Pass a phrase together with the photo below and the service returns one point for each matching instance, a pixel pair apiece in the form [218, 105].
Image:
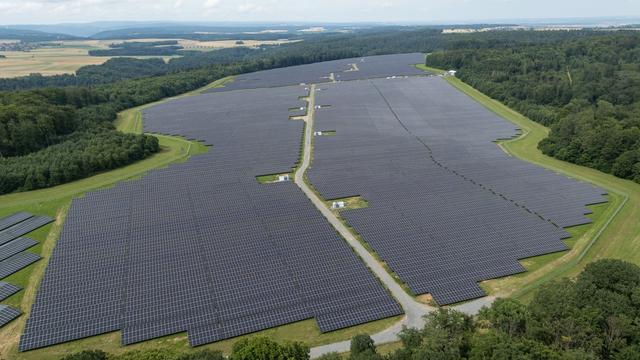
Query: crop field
[46, 61]
[222, 44]
[65, 57]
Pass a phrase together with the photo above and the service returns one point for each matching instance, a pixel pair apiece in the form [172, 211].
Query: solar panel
[16, 263]
[13, 219]
[15, 246]
[8, 313]
[23, 228]
[7, 290]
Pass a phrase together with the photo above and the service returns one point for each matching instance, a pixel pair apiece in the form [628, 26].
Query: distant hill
[138, 29]
[88, 29]
[32, 35]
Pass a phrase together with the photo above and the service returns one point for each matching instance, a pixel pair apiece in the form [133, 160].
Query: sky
[391, 11]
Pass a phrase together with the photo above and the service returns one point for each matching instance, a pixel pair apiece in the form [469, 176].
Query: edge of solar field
[575, 258]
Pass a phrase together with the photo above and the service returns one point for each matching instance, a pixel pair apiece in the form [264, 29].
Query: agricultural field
[65, 57]
[46, 61]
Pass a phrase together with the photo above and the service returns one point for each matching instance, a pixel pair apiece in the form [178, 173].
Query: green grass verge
[306, 331]
[271, 178]
[615, 232]
[351, 203]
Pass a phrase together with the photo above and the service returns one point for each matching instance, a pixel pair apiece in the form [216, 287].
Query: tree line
[596, 316]
[587, 90]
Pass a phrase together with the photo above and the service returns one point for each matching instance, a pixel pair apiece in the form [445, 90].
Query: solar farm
[203, 247]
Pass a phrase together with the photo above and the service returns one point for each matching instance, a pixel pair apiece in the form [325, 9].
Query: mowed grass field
[614, 233]
[55, 202]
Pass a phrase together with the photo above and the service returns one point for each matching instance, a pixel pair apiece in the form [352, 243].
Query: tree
[362, 343]
[263, 348]
[507, 315]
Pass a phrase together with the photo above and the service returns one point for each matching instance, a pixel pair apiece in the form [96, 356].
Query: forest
[587, 90]
[594, 317]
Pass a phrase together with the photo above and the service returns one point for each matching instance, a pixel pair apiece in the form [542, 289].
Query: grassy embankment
[55, 202]
[615, 232]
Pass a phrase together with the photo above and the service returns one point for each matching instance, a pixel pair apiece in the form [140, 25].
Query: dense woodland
[590, 318]
[79, 155]
[586, 89]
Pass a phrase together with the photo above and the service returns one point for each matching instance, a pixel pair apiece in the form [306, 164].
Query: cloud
[250, 8]
[211, 4]
[178, 4]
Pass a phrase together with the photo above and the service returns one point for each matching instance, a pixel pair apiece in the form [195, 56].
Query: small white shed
[338, 205]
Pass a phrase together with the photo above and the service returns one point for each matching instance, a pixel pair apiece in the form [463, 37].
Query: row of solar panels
[12, 255]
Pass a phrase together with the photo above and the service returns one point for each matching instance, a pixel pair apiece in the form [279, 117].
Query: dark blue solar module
[15, 246]
[7, 290]
[447, 208]
[342, 70]
[201, 246]
[16, 263]
[8, 313]
[13, 219]
[23, 227]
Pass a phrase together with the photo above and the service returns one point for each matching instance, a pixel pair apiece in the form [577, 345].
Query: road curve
[414, 310]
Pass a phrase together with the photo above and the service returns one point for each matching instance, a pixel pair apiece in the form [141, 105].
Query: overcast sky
[56, 11]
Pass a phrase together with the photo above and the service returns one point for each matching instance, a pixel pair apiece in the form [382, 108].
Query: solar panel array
[23, 227]
[16, 263]
[367, 67]
[8, 313]
[7, 290]
[15, 246]
[12, 257]
[13, 219]
[201, 246]
[447, 208]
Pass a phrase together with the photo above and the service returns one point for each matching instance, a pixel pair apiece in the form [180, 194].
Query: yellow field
[220, 44]
[68, 56]
[46, 61]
